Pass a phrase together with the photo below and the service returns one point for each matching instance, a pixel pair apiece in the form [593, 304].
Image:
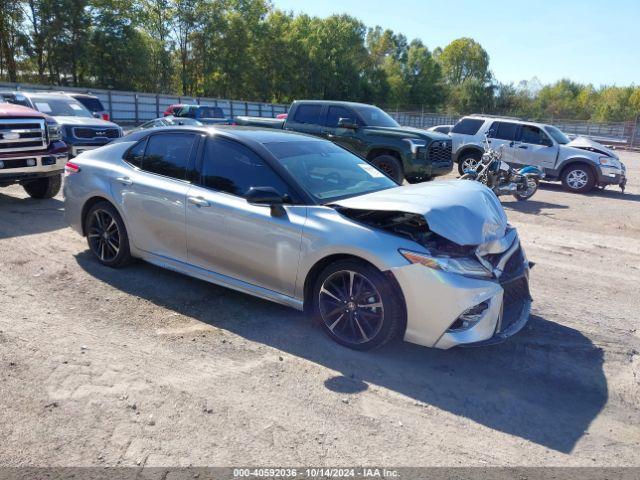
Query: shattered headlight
[460, 265]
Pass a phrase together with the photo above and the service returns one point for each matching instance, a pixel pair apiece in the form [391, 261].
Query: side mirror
[491, 133]
[268, 196]
[347, 123]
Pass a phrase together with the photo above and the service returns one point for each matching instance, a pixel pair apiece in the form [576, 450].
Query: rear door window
[504, 130]
[169, 154]
[467, 126]
[309, 114]
[136, 153]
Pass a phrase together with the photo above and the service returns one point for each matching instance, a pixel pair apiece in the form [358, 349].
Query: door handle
[523, 146]
[198, 201]
[511, 144]
[125, 180]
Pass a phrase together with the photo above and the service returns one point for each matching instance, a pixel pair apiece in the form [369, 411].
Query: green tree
[462, 59]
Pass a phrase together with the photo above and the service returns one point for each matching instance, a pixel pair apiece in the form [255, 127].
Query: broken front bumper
[436, 301]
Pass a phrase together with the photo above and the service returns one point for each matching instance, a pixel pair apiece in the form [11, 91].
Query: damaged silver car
[303, 222]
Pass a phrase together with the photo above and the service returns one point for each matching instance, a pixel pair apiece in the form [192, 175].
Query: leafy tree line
[247, 49]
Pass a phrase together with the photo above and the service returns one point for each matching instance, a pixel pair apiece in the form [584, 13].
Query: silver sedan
[303, 222]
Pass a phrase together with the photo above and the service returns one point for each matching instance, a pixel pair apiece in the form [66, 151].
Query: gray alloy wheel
[357, 305]
[104, 236]
[107, 236]
[578, 178]
[469, 161]
[351, 307]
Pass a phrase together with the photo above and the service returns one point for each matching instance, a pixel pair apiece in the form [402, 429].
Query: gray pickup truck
[401, 152]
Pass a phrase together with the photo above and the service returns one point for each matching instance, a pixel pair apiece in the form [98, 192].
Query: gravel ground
[147, 367]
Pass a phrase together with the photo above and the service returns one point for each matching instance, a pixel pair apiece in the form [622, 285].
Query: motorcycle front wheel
[532, 187]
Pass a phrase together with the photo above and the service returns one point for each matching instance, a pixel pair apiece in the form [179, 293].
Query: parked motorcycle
[501, 178]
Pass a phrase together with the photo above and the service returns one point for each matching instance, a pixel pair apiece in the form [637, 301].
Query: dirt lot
[146, 367]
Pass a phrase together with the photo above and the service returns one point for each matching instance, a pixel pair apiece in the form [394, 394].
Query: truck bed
[277, 123]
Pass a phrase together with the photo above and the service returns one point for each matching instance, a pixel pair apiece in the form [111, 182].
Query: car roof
[498, 118]
[336, 102]
[243, 134]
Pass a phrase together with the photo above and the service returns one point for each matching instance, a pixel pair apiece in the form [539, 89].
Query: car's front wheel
[357, 305]
[469, 161]
[391, 166]
[47, 187]
[578, 178]
[107, 235]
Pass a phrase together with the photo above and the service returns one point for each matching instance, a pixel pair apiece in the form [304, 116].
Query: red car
[173, 109]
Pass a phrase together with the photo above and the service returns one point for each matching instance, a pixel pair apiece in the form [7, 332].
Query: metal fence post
[422, 118]
[157, 105]
[231, 108]
[246, 108]
[273, 111]
[135, 97]
[260, 110]
[110, 105]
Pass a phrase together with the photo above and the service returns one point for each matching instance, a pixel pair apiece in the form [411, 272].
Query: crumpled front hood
[465, 212]
[84, 121]
[584, 143]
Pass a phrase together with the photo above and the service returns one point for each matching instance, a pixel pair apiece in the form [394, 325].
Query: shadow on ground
[612, 192]
[532, 206]
[545, 385]
[45, 216]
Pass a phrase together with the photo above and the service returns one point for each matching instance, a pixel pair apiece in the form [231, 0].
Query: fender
[531, 171]
[469, 147]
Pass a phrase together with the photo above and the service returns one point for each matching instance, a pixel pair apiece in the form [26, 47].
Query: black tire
[391, 166]
[47, 187]
[522, 197]
[108, 250]
[578, 178]
[358, 328]
[475, 156]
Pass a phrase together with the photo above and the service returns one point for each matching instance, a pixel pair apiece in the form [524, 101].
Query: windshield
[328, 172]
[374, 117]
[557, 135]
[60, 107]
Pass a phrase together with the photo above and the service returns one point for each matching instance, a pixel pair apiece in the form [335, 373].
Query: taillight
[70, 168]
[105, 116]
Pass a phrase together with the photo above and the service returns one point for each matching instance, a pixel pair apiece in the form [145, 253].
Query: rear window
[168, 154]
[504, 130]
[308, 114]
[91, 103]
[211, 112]
[467, 126]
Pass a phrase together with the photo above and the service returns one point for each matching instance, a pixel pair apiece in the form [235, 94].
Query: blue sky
[588, 41]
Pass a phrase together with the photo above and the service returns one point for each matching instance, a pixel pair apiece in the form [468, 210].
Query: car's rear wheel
[469, 161]
[389, 165]
[578, 178]
[107, 236]
[47, 187]
[357, 305]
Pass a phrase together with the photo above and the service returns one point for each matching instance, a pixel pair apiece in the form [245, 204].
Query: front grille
[440, 151]
[516, 294]
[92, 133]
[22, 135]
